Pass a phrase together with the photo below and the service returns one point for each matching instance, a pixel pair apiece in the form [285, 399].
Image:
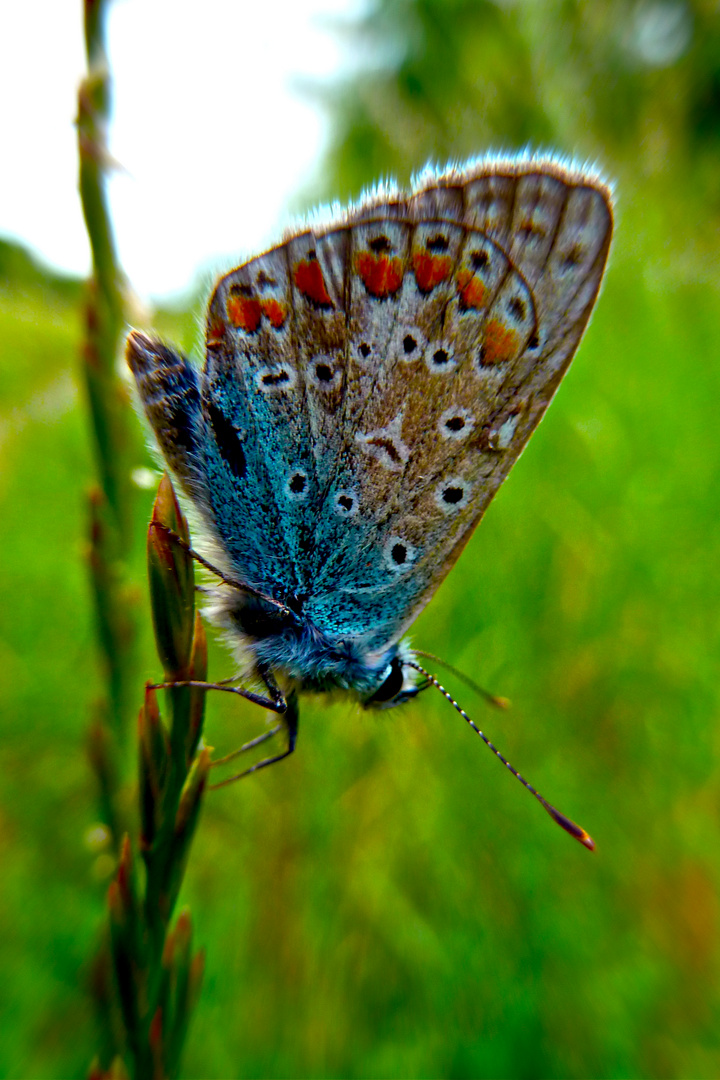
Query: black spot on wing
[228, 441]
[398, 553]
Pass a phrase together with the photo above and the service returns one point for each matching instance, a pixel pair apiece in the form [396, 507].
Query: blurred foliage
[632, 84]
[389, 902]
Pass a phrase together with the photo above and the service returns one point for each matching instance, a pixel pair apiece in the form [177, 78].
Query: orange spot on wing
[430, 269]
[216, 334]
[244, 313]
[275, 311]
[472, 291]
[308, 278]
[380, 274]
[499, 344]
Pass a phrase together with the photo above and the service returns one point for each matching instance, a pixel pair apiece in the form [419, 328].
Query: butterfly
[368, 384]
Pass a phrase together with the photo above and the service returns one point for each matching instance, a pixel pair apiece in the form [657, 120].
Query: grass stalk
[147, 979]
[113, 435]
[155, 974]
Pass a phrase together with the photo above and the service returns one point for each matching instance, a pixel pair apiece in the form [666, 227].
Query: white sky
[210, 127]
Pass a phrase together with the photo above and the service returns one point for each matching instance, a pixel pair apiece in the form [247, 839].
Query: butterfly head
[399, 682]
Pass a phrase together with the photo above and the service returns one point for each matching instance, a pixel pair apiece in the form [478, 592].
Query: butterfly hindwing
[318, 266]
[498, 334]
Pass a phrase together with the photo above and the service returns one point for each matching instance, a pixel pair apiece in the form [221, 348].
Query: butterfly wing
[500, 272]
[368, 386]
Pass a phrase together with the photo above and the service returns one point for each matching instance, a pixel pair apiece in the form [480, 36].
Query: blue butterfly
[368, 384]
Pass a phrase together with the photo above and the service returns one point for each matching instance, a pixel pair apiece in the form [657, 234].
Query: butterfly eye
[391, 686]
[296, 486]
[397, 686]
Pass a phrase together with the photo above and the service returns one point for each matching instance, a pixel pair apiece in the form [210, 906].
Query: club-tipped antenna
[564, 822]
[491, 699]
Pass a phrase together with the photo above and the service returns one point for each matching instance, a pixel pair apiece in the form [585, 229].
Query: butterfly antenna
[491, 699]
[241, 586]
[564, 822]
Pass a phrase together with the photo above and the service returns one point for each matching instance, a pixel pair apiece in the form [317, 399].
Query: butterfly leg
[289, 721]
[274, 703]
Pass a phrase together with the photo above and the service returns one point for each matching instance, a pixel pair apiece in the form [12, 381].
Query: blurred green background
[389, 902]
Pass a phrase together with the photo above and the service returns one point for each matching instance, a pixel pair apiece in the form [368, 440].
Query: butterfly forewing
[255, 405]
